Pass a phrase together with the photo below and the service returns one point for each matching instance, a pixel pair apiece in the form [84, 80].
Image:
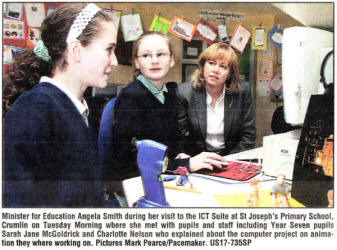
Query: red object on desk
[240, 171]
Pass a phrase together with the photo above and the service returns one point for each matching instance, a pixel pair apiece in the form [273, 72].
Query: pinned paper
[182, 28]
[240, 38]
[275, 36]
[160, 24]
[35, 14]
[206, 31]
[266, 67]
[222, 32]
[131, 26]
[276, 83]
[259, 39]
[14, 10]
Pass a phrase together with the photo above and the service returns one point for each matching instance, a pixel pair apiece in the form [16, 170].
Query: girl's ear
[137, 63]
[172, 61]
[74, 51]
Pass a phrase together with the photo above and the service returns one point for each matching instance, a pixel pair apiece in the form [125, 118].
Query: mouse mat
[240, 171]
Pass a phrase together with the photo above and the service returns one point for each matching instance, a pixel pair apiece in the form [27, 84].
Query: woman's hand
[182, 156]
[205, 160]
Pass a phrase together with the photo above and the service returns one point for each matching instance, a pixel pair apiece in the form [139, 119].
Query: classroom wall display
[182, 28]
[206, 31]
[192, 50]
[208, 14]
[259, 40]
[35, 13]
[266, 67]
[275, 36]
[276, 82]
[14, 32]
[313, 176]
[9, 53]
[160, 24]
[132, 26]
[188, 70]
[14, 10]
[240, 38]
[222, 32]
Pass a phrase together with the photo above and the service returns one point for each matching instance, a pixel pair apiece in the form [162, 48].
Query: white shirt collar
[82, 107]
[220, 99]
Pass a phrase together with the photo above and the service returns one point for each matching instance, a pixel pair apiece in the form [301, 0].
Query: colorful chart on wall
[160, 24]
[182, 28]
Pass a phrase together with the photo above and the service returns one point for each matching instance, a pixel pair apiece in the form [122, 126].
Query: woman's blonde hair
[219, 51]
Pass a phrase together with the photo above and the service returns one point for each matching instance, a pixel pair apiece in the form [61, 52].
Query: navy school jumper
[50, 155]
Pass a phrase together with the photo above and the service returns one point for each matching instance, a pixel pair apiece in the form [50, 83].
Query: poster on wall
[35, 13]
[222, 32]
[14, 10]
[275, 36]
[182, 28]
[131, 26]
[276, 82]
[240, 38]
[160, 24]
[266, 67]
[9, 53]
[259, 38]
[14, 32]
[206, 31]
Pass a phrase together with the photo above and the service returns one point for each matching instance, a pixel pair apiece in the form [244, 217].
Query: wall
[190, 12]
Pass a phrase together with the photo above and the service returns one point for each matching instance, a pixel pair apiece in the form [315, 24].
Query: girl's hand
[205, 160]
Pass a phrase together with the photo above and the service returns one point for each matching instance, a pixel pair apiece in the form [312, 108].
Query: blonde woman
[215, 110]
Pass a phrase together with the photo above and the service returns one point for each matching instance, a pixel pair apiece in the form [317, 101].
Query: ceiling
[316, 15]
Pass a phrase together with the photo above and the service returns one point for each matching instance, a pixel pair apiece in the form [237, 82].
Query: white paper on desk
[35, 14]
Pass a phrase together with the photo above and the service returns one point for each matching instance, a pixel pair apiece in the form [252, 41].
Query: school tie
[85, 116]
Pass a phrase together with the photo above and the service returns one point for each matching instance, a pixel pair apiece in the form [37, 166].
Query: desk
[213, 191]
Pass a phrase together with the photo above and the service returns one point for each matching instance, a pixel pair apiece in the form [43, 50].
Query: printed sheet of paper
[14, 10]
[13, 29]
[259, 39]
[182, 28]
[266, 67]
[276, 83]
[35, 14]
[240, 38]
[132, 27]
[222, 32]
[206, 31]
